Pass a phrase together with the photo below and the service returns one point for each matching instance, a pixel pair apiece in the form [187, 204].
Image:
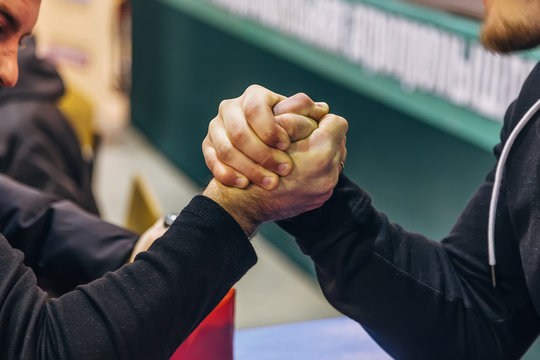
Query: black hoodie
[423, 299]
[37, 144]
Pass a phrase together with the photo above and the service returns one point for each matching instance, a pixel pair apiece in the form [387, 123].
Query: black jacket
[64, 245]
[422, 299]
[144, 310]
[37, 144]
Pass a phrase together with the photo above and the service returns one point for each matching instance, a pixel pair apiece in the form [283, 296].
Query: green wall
[421, 177]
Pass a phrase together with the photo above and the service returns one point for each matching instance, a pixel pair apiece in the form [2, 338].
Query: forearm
[408, 291]
[142, 311]
[238, 203]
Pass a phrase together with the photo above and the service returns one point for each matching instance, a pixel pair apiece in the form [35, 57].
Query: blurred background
[423, 100]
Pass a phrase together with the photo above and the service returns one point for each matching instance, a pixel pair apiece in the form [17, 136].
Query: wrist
[236, 202]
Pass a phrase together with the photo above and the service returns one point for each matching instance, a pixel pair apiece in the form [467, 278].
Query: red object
[213, 338]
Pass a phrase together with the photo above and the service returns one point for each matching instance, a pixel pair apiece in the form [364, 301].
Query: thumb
[298, 127]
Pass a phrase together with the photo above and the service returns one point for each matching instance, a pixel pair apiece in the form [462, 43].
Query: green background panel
[425, 107]
[420, 176]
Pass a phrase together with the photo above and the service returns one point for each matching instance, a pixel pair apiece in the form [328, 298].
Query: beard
[507, 29]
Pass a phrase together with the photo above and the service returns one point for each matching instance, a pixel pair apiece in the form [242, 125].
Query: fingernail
[283, 169]
[267, 181]
[241, 182]
[282, 146]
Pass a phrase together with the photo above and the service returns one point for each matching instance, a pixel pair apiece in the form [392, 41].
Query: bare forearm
[237, 202]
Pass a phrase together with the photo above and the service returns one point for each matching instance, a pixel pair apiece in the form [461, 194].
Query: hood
[38, 78]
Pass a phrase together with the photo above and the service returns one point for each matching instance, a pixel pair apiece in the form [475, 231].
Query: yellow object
[144, 209]
[79, 110]
[82, 38]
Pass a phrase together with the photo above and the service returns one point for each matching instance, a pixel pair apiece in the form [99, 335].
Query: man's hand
[147, 238]
[316, 167]
[247, 139]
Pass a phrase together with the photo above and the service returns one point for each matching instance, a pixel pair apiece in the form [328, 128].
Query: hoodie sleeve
[62, 243]
[423, 299]
[143, 310]
[418, 298]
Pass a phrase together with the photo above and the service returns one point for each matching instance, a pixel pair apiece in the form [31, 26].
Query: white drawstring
[497, 185]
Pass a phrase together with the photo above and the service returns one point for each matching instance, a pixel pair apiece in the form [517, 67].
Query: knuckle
[343, 123]
[340, 122]
[254, 173]
[332, 117]
[307, 127]
[223, 105]
[289, 126]
[251, 109]
[212, 125]
[237, 135]
[224, 152]
[304, 98]
[266, 160]
[324, 133]
[210, 162]
[206, 142]
[267, 136]
[208, 158]
[285, 122]
[253, 87]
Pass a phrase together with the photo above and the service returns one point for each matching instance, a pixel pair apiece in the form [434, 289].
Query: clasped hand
[273, 157]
